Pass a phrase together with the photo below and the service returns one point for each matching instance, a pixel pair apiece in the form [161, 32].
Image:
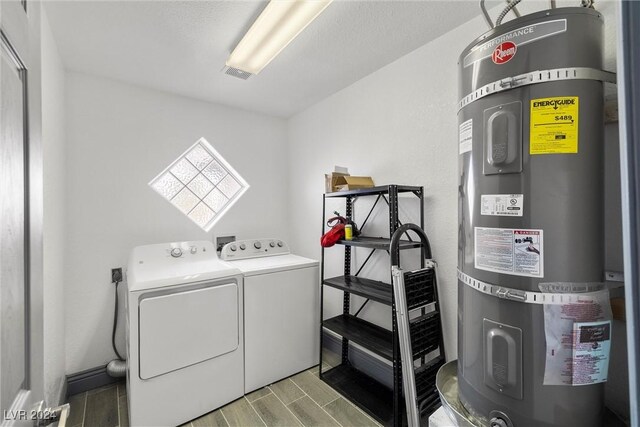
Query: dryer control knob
[257, 245]
[176, 252]
[272, 244]
[233, 248]
[280, 244]
[243, 246]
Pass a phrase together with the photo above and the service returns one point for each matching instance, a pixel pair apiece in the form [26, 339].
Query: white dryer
[184, 333]
[281, 310]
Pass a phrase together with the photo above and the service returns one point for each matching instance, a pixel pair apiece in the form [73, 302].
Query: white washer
[281, 310]
[184, 333]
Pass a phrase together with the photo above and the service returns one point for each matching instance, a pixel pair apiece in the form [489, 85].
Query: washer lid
[272, 264]
[167, 264]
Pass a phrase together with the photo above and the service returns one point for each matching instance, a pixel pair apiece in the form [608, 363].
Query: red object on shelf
[336, 233]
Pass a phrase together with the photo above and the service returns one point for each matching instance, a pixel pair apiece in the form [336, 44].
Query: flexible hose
[506, 10]
[115, 325]
[117, 368]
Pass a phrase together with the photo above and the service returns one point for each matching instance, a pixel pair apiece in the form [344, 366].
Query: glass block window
[201, 184]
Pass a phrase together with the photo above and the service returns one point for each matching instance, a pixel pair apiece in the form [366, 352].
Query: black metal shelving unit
[384, 404]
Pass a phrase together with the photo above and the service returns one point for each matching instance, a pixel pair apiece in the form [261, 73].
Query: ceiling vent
[235, 72]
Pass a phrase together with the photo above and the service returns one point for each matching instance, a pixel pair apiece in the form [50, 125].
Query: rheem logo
[504, 52]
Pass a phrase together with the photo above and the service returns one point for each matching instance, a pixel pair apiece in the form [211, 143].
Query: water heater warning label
[509, 251]
[554, 125]
[465, 133]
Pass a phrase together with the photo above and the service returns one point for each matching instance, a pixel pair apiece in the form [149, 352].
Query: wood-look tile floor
[301, 400]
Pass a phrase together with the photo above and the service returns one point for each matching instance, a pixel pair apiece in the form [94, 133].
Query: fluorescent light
[278, 24]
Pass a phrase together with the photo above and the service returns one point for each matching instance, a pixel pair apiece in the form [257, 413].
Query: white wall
[120, 137]
[398, 125]
[54, 142]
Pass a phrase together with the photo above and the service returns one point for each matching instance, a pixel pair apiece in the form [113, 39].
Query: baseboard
[361, 359]
[88, 380]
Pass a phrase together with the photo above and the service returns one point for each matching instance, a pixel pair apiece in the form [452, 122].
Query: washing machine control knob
[176, 252]
[233, 248]
[243, 246]
[257, 245]
[280, 244]
[272, 244]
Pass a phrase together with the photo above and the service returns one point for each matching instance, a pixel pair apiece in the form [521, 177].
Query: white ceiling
[181, 46]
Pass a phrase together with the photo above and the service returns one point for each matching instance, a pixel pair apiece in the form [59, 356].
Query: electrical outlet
[223, 240]
[116, 275]
[614, 276]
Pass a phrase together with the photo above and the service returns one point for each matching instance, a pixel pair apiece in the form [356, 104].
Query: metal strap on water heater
[520, 295]
[535, 77]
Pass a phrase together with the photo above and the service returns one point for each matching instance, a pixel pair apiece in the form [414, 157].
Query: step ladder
[419, 329]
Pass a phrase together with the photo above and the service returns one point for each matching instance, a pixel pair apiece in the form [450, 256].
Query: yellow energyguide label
[554, 125]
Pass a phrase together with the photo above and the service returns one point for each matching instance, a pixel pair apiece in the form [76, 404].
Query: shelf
[378, 243]
[371, 396]
[373, 191]
[384, 403]
[372, 337]
[374, 290]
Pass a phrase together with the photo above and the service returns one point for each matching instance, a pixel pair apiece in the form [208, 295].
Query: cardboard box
[331, 180]
[618, 309]
[349, 182]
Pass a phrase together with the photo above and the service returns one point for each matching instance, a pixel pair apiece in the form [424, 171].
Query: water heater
[534, 324]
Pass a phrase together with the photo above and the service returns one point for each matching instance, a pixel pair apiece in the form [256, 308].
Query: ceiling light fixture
[278, 24]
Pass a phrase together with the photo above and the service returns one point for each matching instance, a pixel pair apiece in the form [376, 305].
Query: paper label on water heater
[501, 204]
[509, 251]
[578, 336]
[466, 136]
[591, 348]
[554, 125]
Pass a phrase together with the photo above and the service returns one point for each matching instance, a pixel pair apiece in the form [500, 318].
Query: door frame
[22, 399]
[20, 35]
[629, 106]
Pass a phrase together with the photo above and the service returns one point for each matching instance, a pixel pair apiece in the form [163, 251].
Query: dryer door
[187, 327]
